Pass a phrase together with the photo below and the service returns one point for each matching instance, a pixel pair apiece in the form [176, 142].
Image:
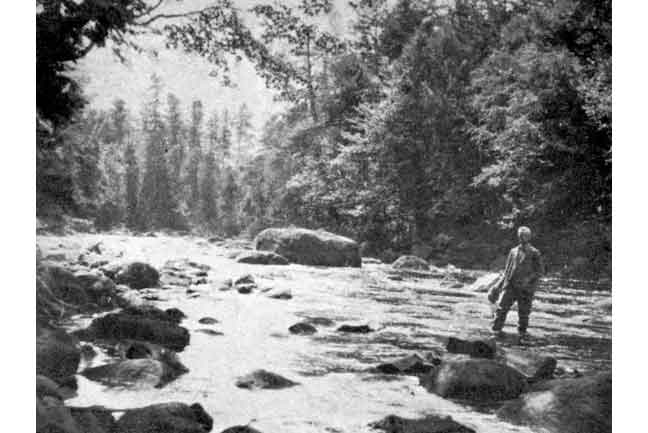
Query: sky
[188, 76]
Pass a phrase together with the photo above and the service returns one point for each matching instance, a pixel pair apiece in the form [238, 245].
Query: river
[336, 393]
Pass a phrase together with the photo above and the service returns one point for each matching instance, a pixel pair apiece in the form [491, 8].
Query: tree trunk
[311, 88]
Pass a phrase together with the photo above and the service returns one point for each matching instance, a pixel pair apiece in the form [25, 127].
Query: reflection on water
[336, 393]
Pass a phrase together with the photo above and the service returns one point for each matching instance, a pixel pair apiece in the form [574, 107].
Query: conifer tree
[132, 187]
[156, 198]
[176, 144]
[195, 154]
[229, 199]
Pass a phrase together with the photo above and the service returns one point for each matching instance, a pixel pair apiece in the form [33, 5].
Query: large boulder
[261, 258]
[167, 418]
[57, 355]
[122, 325]
[263, 379]
[310, 247]
[479, 380]
[411, 262]
[52, 416]
[138, 275]
[565, 405]
[429, 424]
[136, 372]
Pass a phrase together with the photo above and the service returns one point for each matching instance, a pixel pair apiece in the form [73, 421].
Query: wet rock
[171, 315]
[201, 273]
[478, 380]
[166, 418]
[215, 239]
[137, 372]
[302, 328]
[279, 294]
[245, 288]
[138, 275]
[429, 424]
[544, 369]
[207, 321]
[261, 258]
[565, 406]
[262, 379]
[244, 279]
[122, 325]
[61, 284]
[309, 247]
[138, 350]
[224, 285]
[412, 364]
[52, 416]
[477, 349]
[240, 429]
[411, 262]
[209, 332]
[371, 261]
[57, 355]
[87, 351]
[320, 321]
[355, 329]
[46, 387]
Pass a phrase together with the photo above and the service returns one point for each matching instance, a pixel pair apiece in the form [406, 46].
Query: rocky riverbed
[237, 328]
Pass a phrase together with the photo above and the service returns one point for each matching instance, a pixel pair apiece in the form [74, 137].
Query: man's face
[524, 237]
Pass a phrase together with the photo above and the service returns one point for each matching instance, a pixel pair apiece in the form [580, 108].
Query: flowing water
[336, 393]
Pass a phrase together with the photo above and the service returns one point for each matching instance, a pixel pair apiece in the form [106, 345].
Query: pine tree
[195, 154]
[176, 145]
[208, 190]
[156, 198]
[243, 125]
[132, 187]
[226, 135]
[229, 201]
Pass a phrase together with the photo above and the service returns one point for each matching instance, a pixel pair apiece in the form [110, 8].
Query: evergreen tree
[195, 155]
[132, 187]
[176, 145]
[243, 125]
[225, 145]
[229, 200]
[157, 201]
[208, 190]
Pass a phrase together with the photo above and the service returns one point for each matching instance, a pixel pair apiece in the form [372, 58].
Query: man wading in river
[521, 274]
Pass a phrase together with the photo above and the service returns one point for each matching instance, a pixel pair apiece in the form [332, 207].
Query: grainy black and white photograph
[323, 216]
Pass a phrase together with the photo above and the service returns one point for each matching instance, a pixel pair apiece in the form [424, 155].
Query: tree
[175, 143]
[208, 190]
[243, 128]
[226, 135]
[132, 187]
[305, 42]
[195, 154]
[156, 200]
[229, 200]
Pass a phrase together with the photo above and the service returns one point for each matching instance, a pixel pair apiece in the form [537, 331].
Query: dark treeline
[427, 127]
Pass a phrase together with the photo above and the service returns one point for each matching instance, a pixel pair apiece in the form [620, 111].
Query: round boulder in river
[167, 418]
[411, 262]
[310, 247]
[478, 380]
[262, 379]
[138, 275]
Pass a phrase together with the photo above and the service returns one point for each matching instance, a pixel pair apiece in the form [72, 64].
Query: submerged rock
[310, 247]
[429, 424]
[245, 289]
[57, 355]
[240, 429]
[209, 332]
[207, 321]
[565, 406]
[166, 418]
[261, 258]
[279, 294]
[244, 279]
[136, 372]
[355, 329]
[138, 275]
[302, 328]
[411, 262]
[412, 364]
[320, 321]
[262, 379]
[477, 349]
[478, 380]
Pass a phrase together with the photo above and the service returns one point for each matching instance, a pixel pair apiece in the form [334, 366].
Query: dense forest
[432, 127]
